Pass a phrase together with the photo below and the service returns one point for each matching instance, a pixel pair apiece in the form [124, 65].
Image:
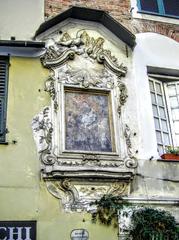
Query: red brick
[119, 10]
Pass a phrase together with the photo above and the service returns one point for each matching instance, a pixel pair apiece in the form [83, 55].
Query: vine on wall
[107, 210]
[146, 223]
[153, 224]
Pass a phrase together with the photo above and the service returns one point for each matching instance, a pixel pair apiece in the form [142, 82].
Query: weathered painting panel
[87, 117]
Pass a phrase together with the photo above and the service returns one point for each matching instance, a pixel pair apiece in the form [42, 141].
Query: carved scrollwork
[47, 158]
[50, 88]
[64, 190]
[127, 135]
[97, 69]
[122, 96]
[117, 188]
[66, 48]
[132, 161]
[43, 129]
[86, 79]
[54, 57]
[76, 195]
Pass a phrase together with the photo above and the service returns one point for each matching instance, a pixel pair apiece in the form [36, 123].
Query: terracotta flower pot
[170, 156]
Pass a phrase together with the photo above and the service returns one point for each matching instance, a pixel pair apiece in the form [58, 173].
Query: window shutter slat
[3, 96]
[1, 116]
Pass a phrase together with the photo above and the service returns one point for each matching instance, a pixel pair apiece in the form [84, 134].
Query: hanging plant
[153, 224]
[107, 210]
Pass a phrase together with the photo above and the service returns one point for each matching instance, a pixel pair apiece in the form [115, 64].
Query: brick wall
[119, 10]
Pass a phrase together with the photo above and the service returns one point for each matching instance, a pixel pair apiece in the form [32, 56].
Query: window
[168, 8]
[4, 64]
[165, 105]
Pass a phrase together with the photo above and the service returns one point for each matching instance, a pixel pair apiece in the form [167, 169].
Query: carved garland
[42, 123]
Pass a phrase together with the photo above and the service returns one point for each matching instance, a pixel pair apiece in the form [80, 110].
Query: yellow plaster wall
[23, 195]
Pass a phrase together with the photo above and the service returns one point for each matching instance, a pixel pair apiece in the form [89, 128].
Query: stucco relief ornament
[50, 88]
[65, 191]
[78, 178]
[125, 222]
[85, 78]
[132, 161]
[43, 129]
[78, 196]
[67, 47]
[91, 162]
[122, 96]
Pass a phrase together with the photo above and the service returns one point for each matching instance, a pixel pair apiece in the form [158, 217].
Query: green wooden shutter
[3, 96]
[1, 116]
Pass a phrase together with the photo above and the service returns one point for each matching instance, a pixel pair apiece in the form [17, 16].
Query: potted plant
[172, 153]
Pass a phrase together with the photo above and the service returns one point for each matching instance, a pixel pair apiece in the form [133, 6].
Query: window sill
[159, 15]
[168, 160]
[169, 157]
[155, 17]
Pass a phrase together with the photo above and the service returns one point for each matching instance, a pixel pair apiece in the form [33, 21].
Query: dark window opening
[168, 8]
[171, 7]
[150, 6]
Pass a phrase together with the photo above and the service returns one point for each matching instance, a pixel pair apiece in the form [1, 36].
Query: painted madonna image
[88, 123]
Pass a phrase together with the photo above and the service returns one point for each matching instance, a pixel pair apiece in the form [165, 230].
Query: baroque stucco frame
[56, 164]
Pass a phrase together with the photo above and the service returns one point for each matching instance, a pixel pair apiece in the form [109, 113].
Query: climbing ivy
[153, 224]
[107, 210]
[146, 223]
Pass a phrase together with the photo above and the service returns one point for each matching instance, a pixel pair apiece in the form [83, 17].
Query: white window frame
[164, 80]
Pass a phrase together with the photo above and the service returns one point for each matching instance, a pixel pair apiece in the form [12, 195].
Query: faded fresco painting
[87, 121]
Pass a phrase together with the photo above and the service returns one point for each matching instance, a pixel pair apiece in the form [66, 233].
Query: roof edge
[20, 43]
[94, 15]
